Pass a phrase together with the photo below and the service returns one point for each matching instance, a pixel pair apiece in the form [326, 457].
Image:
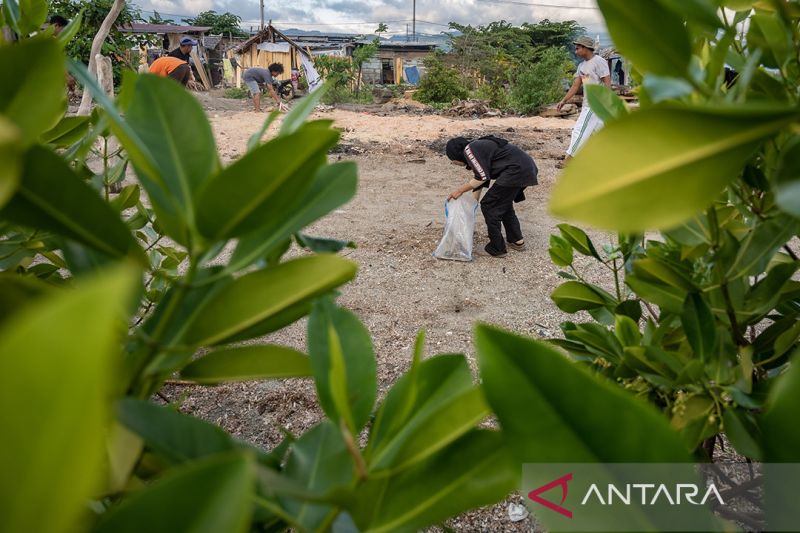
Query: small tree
[441, 84]
[363, 53]
[540, 83]
[226, 23]
[114, 45]
[547, 34]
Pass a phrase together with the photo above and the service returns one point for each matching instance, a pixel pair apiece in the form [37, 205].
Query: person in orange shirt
[172, 67]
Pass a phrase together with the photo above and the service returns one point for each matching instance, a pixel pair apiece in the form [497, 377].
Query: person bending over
[255, 77]
[172, 67]
[491, 158]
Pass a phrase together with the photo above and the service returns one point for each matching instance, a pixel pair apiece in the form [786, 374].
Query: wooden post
[398, 70]
[97, 43]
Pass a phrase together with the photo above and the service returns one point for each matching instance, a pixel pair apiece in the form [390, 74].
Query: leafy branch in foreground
[703, 321]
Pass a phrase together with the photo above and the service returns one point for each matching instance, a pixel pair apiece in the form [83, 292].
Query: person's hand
[455, 195]
[282, 107]
[560, 105]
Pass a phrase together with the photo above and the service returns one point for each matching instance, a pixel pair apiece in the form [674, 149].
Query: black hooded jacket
[492, 158]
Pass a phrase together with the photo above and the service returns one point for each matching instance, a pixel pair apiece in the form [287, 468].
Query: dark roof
[140, 27]
[212, 41]
[257, 38]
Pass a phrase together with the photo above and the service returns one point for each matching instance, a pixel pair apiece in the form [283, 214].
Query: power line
[538, 4]
[433, 23]
[348, 23]
[166, 14]
[333, 23]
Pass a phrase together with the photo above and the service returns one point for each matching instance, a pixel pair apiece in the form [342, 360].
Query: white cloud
[342, 15]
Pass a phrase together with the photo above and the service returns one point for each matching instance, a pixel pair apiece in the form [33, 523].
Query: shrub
[540, 83]
[343, 95]
[237, 93]
[704, 317]
[495, 94]
[337, 71]
[441, 84]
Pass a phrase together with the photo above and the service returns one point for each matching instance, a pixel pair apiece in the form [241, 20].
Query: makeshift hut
[266, 47]
[397, 62]
[168, 37]
[620, 73]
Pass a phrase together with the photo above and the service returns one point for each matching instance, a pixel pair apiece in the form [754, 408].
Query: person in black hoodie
[493, 158]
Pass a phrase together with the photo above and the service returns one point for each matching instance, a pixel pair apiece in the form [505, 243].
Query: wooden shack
[270, 45]
[388, 65]
[266, 47]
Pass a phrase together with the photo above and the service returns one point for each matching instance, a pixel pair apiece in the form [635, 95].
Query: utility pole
[414, 22]
[262, 15]
[407, 38]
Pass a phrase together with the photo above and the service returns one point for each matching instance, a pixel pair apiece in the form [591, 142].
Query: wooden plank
[398, 70]
[201, 70]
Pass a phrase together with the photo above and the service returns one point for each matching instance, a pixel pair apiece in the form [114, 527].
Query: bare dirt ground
[396, 220]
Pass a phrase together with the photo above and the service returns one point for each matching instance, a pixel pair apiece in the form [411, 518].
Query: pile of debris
[407, 106]
[472, 108]
[565, 111]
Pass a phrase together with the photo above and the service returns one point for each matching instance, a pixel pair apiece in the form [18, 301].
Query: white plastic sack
[459, 225]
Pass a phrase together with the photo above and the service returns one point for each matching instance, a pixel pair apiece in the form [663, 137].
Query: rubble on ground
[472, 108]
[565, 111]
[407, 105]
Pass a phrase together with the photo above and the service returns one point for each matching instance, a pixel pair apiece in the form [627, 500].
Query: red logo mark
[562, 482]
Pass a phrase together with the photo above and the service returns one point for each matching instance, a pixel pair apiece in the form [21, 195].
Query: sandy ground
[397, 220]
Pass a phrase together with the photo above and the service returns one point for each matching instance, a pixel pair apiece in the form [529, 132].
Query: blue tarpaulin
[412, 75]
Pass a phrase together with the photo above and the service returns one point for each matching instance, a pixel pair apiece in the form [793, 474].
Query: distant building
[394, 63]
[273, 46]
[397, 62]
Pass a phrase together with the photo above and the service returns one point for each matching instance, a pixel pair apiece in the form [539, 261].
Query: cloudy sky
[362, 16]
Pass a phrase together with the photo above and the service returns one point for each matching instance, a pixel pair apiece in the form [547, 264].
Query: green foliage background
[441, 84]
[93, 13]
[519, 68]
[540, 83]
[225, 23]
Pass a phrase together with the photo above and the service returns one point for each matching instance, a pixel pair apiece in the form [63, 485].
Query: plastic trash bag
[459, 225]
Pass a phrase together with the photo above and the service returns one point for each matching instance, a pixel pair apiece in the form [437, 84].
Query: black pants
[182, 74]
[497, 207]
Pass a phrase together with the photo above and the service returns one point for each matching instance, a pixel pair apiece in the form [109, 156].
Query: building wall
[373, 70]
[263, 59]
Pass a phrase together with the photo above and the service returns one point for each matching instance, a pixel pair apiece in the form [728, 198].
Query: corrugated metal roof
[141, 27]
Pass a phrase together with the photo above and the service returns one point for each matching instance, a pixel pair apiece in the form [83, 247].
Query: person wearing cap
[172, 67]
[512, 169]
[592, 70]
[184, 51]
[255, 77]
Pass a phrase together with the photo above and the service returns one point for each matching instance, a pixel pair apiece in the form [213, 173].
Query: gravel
[396, 220]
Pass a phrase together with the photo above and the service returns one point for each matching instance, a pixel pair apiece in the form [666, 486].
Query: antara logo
[560, 482]
[637, 493]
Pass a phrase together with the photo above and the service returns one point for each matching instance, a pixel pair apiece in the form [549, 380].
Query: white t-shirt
[593, 70]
